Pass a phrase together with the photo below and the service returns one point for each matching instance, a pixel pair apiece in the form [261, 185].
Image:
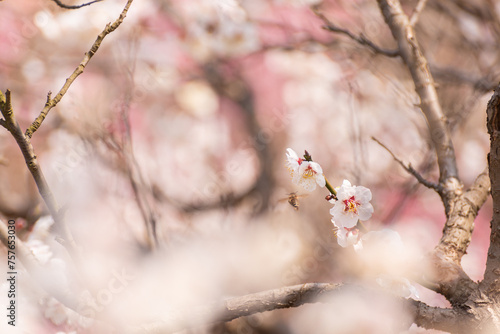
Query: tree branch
[62, 5]
[458, 229]
[410, 169]
[461, 209]
[51, 103]
[417, 64]
[483, 84]
[361, 39]
[24, 143]
[492, 272]
[295, 296]
[416, 12]
[233, 308]
[444, 319]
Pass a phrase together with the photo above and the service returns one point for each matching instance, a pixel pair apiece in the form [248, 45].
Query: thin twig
[51, 103]
[31, 160]
[361, 39]
[62, 5]
[483, 84]
[410, 169]
[416, 12]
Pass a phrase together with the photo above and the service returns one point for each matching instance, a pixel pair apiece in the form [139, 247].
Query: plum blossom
[304, 173]
[347, 236]
[292, 162]
[353, 203]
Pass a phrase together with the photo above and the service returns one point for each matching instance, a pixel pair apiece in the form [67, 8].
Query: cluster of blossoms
[351, 204]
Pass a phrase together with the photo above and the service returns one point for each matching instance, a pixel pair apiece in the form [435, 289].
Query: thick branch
[460, 224]
[51, 103]
[295, 296]
[492, 273]
[414, 59]
[448, 320]
[233, 308]
[460, 208]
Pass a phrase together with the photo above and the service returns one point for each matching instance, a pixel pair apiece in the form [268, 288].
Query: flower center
[351, 205]
[308, 173]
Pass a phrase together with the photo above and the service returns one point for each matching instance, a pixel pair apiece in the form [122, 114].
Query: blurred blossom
[304, 173]
[40, 250]
[305, 66]
[299, 2]
[383, 253]
[398, 285]
[55, 312]
[222, 37]
[64, 23]
[202, 270]
[41, 230]
[346, 236]
[60, 315]
[231, 9]
[44, 20]
[353, 203]
[471, 28]
[33, 69]
[351, 312]
[198, 98]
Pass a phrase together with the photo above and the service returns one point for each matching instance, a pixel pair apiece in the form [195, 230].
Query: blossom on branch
[353, 203]
[304, 173]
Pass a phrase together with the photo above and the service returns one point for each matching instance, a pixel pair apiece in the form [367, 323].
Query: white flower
[353, 203]
[292, 162]
[347, 236]
[304, 173]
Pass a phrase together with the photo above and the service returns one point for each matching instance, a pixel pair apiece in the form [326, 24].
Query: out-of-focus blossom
[222, 37]
[398, 285]
[55, 311]
[387, 241]
[353, 203]
[347, 236]
[299, 3]
[304, 173]
[197, 98]
[385, 257]
[40, 250]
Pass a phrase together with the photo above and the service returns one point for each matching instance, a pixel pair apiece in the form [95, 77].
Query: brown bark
[491, 283]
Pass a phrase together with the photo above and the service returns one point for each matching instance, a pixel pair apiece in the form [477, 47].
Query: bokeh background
[178, 129]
